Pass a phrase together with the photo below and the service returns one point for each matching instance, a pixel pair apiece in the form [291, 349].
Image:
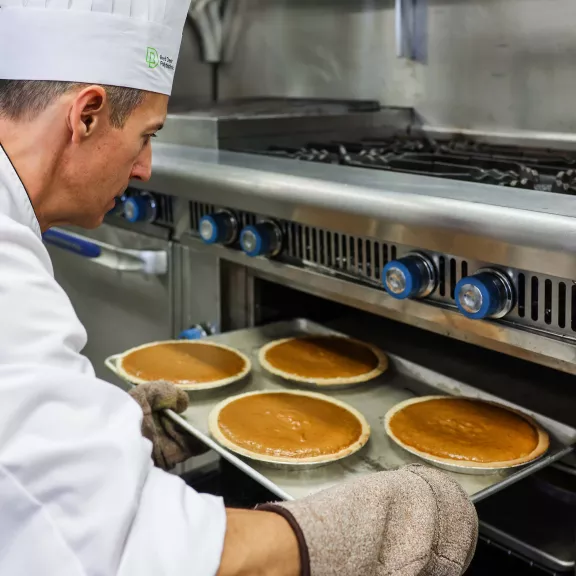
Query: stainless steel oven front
[121, 284]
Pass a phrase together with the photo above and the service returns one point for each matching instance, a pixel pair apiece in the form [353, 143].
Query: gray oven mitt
[171, 445]
[413, 521]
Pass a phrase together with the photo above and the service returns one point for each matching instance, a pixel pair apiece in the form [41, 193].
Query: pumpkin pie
[323, 360]
[465, 432]
[192, 365]
[288, 427]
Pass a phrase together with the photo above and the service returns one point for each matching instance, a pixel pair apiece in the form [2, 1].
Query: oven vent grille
[546, 301]
[361, 257]
[165, 216]
[197, 211]
[543, 302]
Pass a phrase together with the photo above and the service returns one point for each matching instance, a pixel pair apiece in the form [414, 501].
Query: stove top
[510, 166]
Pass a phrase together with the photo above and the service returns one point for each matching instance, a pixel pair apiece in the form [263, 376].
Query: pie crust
[369, 363]
[541, 441]
[217, 365]
[281, 425]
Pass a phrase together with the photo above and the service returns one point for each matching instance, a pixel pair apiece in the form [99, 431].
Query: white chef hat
[130, 43]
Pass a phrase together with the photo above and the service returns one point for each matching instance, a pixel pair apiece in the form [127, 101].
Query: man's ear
[88, 113]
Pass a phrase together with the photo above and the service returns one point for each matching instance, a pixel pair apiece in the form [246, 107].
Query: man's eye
[147, 138]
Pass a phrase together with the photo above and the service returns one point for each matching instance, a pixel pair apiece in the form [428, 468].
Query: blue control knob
[487, 294]
[262, 239]
[412, 276]
[219, 228]
[192, 334]
[141, 208]
[197, 332]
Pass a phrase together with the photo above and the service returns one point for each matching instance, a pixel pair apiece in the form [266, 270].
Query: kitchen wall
[492, 64]
[193, 78]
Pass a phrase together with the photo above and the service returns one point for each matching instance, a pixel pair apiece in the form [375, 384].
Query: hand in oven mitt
[412, 521]
[171, 445]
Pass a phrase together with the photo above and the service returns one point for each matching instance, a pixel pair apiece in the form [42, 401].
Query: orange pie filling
[289, 425]
[465, 430]
[322, 357]
[183, 362]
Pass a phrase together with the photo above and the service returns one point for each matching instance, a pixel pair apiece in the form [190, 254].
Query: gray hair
[25, 99]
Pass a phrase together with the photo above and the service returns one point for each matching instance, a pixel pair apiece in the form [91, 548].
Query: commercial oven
[454, 254]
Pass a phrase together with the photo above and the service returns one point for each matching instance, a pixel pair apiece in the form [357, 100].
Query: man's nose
[142, 169]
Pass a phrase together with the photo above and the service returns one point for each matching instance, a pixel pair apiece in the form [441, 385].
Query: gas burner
[565, 182]
[458, 159]
[307, 154]
[524, 183]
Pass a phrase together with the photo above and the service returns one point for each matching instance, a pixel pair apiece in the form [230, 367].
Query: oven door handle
[152, 262]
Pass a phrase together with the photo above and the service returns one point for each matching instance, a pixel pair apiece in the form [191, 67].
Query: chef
[84, 86]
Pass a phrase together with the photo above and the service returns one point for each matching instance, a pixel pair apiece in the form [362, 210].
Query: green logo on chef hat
[152, 58]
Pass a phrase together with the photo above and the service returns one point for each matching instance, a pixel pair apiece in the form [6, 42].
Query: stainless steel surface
[461, 226]
[493, 65]
[429, 274]
[470, 298]
[239, 301]
[559, 353]
[206, 16]
[507, 292]
[404, 380]
[197, 290]
[533, 553]
[193, 78]
[471, 220]
[260, 122]
[544, 303]
[119, 309]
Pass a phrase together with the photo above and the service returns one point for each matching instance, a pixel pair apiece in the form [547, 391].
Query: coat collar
[14, 200]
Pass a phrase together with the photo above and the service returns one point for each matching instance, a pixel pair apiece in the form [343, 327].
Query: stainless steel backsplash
[492, 64]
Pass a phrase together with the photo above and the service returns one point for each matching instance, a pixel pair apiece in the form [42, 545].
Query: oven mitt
[171, 445]
[412, 521]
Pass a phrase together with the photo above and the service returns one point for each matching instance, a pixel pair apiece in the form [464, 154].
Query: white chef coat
[79, 495]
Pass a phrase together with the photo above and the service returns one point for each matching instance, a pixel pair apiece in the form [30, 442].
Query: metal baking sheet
[403, 380]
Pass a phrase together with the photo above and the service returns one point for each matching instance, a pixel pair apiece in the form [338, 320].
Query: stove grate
[509, 166]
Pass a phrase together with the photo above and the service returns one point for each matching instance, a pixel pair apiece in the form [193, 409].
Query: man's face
[98, 169]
